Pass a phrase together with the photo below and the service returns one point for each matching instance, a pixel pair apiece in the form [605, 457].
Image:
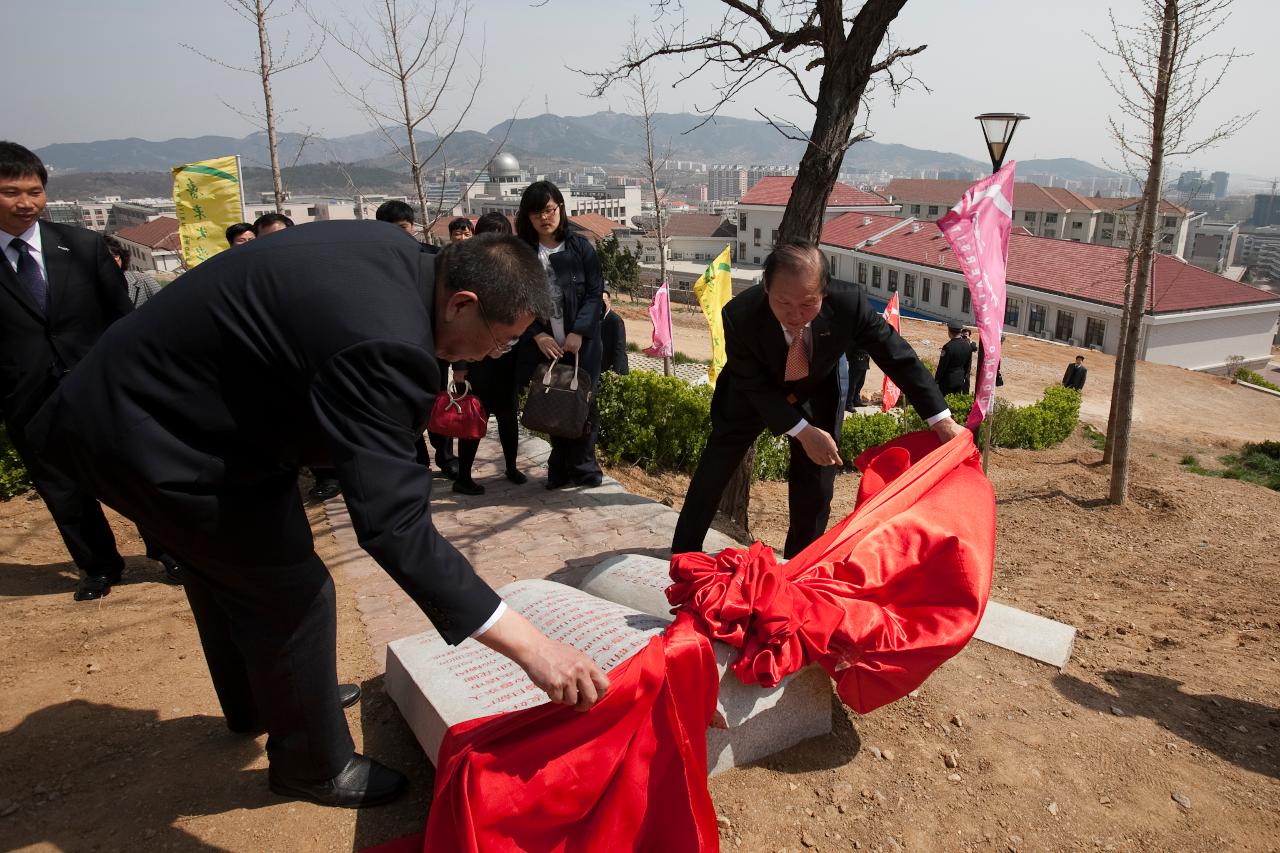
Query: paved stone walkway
[510, 533]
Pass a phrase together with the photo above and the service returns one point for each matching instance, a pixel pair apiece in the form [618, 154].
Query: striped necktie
[797, 359]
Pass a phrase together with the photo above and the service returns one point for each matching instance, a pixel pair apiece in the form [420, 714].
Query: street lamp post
[997, 129]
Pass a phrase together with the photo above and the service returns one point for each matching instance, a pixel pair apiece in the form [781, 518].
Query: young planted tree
[1162, 80]
[269, 66]
[792, 41]
[416, 52]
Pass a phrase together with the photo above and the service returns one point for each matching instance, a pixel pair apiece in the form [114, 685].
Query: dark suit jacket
[577, 270]
[757, 353]
[1075, 376]
[953, 366]
[315, 347]
[87, 293]
[613, 340]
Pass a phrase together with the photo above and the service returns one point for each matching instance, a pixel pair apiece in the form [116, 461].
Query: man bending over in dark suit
[317, 346]
[59, 290]
[784, 339]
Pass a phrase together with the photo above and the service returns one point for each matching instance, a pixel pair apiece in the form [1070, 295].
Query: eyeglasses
[549, 211]
[498, 347]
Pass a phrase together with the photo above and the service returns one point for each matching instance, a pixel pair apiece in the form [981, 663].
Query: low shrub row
[1255, 378]
[662, 423]
[13, 474]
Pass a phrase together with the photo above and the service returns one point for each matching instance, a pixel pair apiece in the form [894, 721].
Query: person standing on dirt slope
[952, 374]
[193, 416]
[1075, 375]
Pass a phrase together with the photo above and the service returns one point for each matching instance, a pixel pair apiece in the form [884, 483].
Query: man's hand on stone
[564, 673]
[819, 445]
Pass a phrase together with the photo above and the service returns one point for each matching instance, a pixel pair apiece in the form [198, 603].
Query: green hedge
[1253, 378]
[662, 422]
[13, 474]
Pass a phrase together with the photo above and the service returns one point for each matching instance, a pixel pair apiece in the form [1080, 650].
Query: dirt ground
[1162, 734]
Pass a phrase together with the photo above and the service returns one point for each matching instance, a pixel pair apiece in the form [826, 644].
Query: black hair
[460, 223]
[493, 223]
[395, 211]
[535, 198]
[796, 256]
[502, 271]
[119, 250]
[19, 162]
[271, 219]
[234, 231]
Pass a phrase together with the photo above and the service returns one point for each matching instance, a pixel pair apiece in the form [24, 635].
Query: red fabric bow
[880, 601]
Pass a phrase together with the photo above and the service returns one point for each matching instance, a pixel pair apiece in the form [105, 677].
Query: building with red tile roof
[760, 212]
[153, 245]
[1060, 289]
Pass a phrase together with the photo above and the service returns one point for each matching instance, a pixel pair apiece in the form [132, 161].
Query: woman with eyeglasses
[576, 284]
[493, 380]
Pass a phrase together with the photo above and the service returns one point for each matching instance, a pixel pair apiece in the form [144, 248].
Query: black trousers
[735, 426]
[76, 513]
[494, 382]
[269, 635]
[573, 460]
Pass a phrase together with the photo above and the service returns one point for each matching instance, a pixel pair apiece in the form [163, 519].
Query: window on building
[909, 285]
[1108, 219]
[742, 250]
[1065, 327]
[1171, 222]
[756, 259]
[946, 295]
[862, 273]
[1094, 331]
[1012, 309]
[893, 281]
[1106, 233]
[1035, 319]
[1077, 225]
[742, 222]
[926, 284]
[915, 210]
[773, 236]
[966, 302]
[1122, 235]
[933, 210]
[756, 237]
[832, 267]
[1050, 218]
[311, 211]
[1166, 238]
[875, 277]
[1029, 216]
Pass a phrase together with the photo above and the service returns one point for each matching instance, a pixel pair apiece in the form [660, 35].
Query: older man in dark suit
[317, 346]
[784, 339]
[60, 289]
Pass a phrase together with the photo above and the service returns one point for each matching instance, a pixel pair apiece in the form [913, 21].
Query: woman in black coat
[576, 284]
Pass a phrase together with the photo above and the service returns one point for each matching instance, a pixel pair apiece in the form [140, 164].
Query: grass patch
[1257, 463]
[1097, 439]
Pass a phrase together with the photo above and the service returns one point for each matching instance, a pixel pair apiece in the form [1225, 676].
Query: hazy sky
[97, 70]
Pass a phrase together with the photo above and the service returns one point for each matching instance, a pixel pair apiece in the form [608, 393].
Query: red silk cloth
[880, 601]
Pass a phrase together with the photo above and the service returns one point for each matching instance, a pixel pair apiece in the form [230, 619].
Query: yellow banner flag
[208, 200]
[714, 289]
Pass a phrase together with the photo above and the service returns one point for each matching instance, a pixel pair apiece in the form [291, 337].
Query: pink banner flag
[978, 230]
[660, 316]
[890, 393]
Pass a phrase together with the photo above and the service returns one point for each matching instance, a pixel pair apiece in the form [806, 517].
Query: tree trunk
[264, 68]
[1137, 305]
[1108, 449]
[415, 167]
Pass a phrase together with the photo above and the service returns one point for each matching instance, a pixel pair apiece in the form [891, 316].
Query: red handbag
[458, 415]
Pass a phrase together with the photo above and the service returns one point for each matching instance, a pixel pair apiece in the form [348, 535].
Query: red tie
[797, 359]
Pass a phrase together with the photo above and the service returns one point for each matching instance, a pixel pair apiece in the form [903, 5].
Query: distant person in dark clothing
[613, 339]
[952, 374]
[460, 229]
[239, 234]
[397, 213]
[494, 381]
[1076, 374]
[966, 333]
[981, 356]
[859, 363]
[270, 223]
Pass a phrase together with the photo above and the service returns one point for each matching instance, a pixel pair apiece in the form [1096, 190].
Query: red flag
[889, 392]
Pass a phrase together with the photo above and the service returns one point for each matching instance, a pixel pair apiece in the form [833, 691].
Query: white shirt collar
[31, 237]
[787, 334]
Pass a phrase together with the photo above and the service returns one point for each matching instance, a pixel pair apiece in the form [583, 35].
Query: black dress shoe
[516, 477]
[349, 694]
[449, 470]
[552, 485]
[590, 481]
[95, 586]
[468, 487]
[326, 489]
[363, 782]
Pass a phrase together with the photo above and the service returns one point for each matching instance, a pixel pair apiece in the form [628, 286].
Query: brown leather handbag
[559, 399]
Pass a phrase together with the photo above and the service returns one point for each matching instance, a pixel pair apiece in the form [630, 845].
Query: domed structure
[505, 167]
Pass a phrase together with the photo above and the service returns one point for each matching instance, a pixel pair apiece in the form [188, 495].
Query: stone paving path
[510, 533]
